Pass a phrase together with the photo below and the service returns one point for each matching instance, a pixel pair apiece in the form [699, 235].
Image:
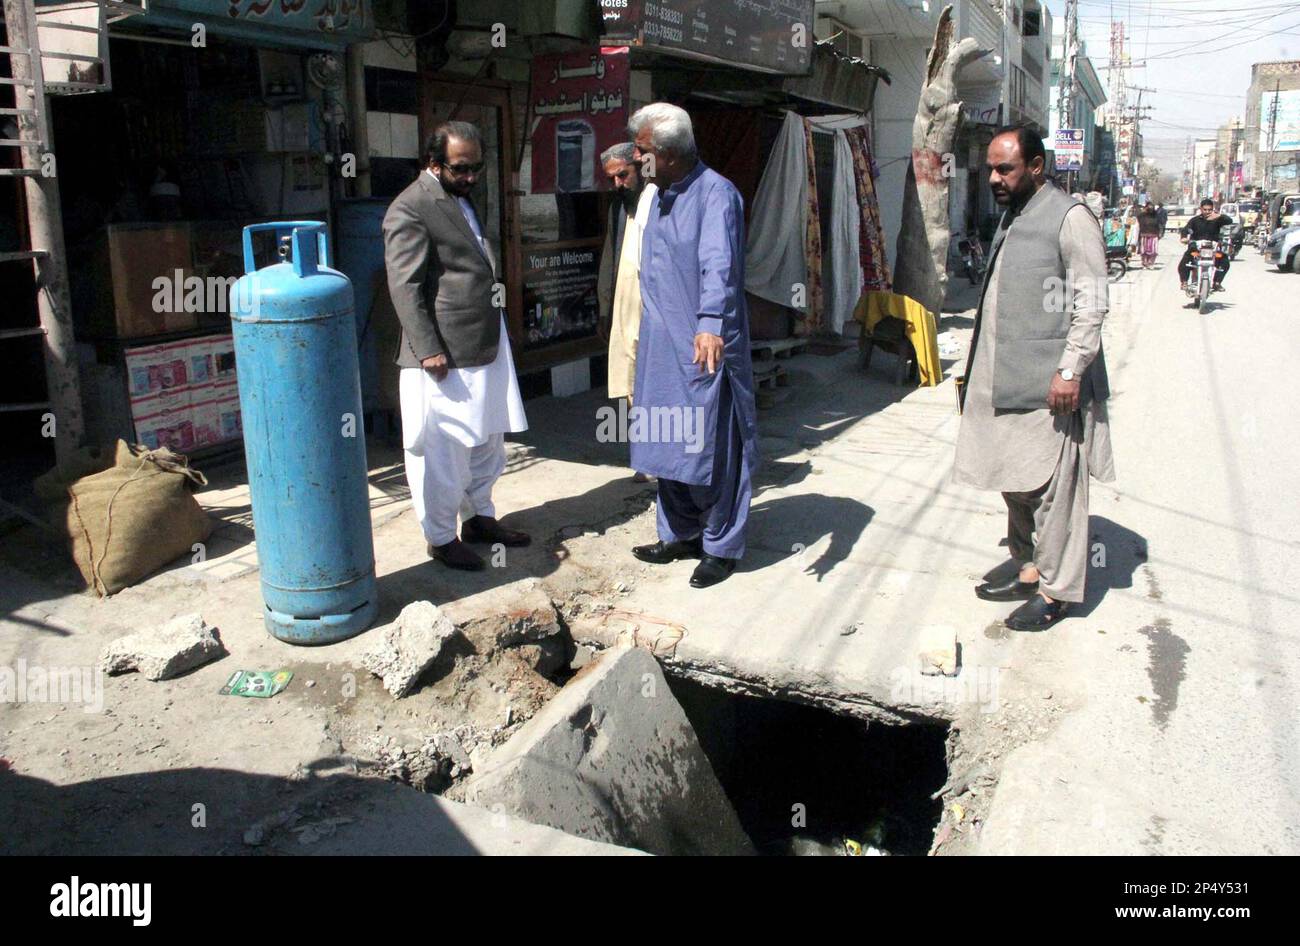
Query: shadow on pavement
[1114, 554]
[550, 524]
[793, 524]
[154, 813]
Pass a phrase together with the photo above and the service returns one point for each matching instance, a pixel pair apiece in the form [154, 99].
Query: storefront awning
[836, 84]
[309, 24]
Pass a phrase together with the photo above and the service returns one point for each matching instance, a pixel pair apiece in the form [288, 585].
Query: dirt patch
[490, 679]
[977, 745]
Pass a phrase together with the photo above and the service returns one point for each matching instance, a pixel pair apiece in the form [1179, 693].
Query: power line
[1183, 53]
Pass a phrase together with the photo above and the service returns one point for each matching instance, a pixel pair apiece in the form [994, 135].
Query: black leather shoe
[712, 570]
[456, 554]
[1036, 614]
[485, 529]
[1012, 589]
[661, 553]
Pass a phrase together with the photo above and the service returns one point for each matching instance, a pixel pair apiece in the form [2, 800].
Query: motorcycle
[972, 259]
[1116, 261]
[1262, 235]
[1207, 258]
[1234, 236]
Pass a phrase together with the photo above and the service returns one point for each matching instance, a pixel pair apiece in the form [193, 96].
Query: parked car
[1247, 212]
[1178, 217]
[1283, 249]
[1289, 214]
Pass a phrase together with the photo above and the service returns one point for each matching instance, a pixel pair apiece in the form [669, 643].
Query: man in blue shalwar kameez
[694, 384]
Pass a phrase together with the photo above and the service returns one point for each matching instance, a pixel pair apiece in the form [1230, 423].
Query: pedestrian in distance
[1149, 234]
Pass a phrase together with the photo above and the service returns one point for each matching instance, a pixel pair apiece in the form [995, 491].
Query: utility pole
[1065, 118]
[1272, 132]
[1138, 115]
[1118, 104]
[45, 225]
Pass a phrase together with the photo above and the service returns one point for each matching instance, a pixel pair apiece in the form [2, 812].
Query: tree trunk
[921, 268]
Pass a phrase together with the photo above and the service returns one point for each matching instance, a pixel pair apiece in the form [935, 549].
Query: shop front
[220, 114]
[547, 119]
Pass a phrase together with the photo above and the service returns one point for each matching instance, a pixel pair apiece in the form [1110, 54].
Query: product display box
[183, 394]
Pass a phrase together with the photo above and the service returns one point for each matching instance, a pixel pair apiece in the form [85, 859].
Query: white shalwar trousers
[447, 478]
[453, 432]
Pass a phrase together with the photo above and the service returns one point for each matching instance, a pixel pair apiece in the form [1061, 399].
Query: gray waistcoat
[1031, 332]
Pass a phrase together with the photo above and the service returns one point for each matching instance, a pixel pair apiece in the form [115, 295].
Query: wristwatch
[1066, 374]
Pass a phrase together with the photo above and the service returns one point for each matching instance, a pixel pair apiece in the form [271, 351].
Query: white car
[1289, 212]
[1178, 217]
[1283, 249]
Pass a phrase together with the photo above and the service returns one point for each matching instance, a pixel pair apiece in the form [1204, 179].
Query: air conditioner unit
[843, 37]
[73, 39]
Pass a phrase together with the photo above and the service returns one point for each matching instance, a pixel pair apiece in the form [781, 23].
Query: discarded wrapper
[259, 683]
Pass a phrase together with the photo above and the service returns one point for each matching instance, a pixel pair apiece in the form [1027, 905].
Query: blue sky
[1195, 54]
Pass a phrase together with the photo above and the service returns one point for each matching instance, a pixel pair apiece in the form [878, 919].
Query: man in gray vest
[1034, 421]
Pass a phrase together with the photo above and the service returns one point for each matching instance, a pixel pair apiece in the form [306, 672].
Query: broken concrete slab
[510, 616]
[176, 647]
[405, 649]
[613, 758]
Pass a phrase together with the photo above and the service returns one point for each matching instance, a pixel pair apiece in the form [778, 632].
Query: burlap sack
[52, 485]
[134, 517]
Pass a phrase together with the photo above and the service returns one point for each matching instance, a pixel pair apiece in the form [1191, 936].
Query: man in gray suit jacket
[458, 391]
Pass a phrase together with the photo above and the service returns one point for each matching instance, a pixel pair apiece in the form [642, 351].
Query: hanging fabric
[875, 264]
[774, 250]
[845, 280]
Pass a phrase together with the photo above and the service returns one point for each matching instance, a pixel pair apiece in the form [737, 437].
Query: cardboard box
[153, 369]
[165, 420]
[232, 427]
[183, 394]
[132, 257]
[206, 418]
[221, 348]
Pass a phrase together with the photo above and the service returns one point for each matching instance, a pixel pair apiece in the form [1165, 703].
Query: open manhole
[805, 780]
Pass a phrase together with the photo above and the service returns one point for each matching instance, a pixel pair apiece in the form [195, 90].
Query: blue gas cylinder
[304, 438]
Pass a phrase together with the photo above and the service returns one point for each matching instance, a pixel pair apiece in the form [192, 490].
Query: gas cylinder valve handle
[307, 256]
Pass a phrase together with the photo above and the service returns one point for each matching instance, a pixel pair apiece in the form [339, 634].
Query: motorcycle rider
[1204, 226]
